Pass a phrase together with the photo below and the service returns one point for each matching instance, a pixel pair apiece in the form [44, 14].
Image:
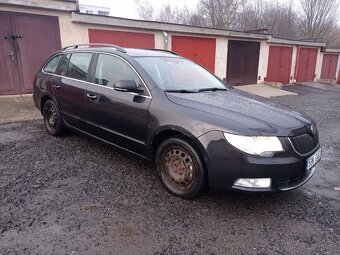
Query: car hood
[240, 114]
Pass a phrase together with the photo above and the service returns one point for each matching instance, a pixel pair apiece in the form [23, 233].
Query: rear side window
[52, 65]
[78, 66]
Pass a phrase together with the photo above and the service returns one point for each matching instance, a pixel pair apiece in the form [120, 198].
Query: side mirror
[127, 86]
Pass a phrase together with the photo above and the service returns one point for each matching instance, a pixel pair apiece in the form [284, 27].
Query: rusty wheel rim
[52, 117]
[178, 168]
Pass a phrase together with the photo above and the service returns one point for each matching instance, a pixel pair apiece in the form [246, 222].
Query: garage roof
[161, 26]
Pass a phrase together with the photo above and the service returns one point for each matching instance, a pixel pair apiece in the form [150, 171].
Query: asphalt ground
[74, 195]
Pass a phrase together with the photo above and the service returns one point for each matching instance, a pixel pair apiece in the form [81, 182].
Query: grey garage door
[243, 62]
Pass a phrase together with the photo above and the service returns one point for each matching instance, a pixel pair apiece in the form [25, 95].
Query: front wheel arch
[164, 163]
[183, 134]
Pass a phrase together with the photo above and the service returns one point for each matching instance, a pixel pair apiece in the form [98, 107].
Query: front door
[115, 116]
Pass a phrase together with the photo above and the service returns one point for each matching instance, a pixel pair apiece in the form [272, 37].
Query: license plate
[312, 160]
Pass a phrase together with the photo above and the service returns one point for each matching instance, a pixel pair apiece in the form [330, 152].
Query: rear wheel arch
[43, 101]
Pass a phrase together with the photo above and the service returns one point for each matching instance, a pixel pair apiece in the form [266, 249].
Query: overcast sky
[127, 8]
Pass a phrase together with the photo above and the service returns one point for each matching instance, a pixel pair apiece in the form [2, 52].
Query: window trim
[92, 67]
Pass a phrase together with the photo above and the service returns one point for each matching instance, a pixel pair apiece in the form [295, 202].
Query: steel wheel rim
[52, 117]
[178, 168]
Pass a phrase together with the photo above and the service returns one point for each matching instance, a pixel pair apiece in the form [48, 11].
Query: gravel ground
[74, 195]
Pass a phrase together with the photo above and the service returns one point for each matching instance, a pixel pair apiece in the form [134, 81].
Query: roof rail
[168, 51]
[118, 48]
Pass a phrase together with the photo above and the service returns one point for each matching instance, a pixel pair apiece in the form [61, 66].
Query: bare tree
[220, 13]
[145, 9]
[169, 14]
[318, 18]
[280, 20]
[333, 40]
[180, 16]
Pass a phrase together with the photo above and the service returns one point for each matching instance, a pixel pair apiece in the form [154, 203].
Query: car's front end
[248, 144]
[262, 163]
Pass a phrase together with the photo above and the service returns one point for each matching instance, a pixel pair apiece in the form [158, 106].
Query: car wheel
[52, 119]
[180, 168]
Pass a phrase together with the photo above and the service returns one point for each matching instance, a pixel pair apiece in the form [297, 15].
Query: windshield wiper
[211, 89]
[181, 91]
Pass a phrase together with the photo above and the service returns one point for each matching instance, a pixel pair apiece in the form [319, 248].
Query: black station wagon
[197, 130]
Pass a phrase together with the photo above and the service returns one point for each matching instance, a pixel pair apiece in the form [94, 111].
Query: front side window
[78, 66]
[111, 69]
[52, 65]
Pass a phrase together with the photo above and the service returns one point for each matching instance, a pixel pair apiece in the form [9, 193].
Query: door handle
[91, 97]
[56, 86]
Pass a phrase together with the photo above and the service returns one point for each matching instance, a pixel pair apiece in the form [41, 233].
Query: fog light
[253, 183]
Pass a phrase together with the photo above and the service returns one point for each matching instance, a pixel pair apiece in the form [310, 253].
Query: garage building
[35, 29]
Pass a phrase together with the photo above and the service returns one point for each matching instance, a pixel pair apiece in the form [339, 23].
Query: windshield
[179, 75]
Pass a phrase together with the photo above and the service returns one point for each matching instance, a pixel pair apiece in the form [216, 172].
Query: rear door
[115, 116]
[69, 88]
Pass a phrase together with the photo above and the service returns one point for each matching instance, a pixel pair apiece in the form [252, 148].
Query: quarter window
[52, 65]
[78, 66]
[111, 69]
[64, 65]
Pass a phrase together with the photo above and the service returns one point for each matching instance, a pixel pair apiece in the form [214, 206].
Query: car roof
[117, 49]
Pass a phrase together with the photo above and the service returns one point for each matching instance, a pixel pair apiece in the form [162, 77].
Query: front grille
[305, 143]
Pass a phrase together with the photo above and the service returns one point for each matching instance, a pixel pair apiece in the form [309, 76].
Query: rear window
[52, 65]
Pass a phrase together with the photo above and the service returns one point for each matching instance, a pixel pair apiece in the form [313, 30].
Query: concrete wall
[221, 57]
[263, 61]
[293, 68]
[318, 68]
[338, 70]
[61, 5]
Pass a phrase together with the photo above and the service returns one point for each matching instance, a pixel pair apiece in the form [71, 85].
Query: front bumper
[226, 164]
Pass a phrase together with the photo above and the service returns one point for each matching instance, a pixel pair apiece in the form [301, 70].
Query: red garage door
[279, 64]
[329, 65]
[306, 63]
[200, 50]
[122, 38]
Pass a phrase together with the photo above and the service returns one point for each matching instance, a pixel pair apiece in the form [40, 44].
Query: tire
[180, 168]
[52, 119]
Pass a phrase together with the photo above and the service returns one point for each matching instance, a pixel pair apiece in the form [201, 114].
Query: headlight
[264, 146]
